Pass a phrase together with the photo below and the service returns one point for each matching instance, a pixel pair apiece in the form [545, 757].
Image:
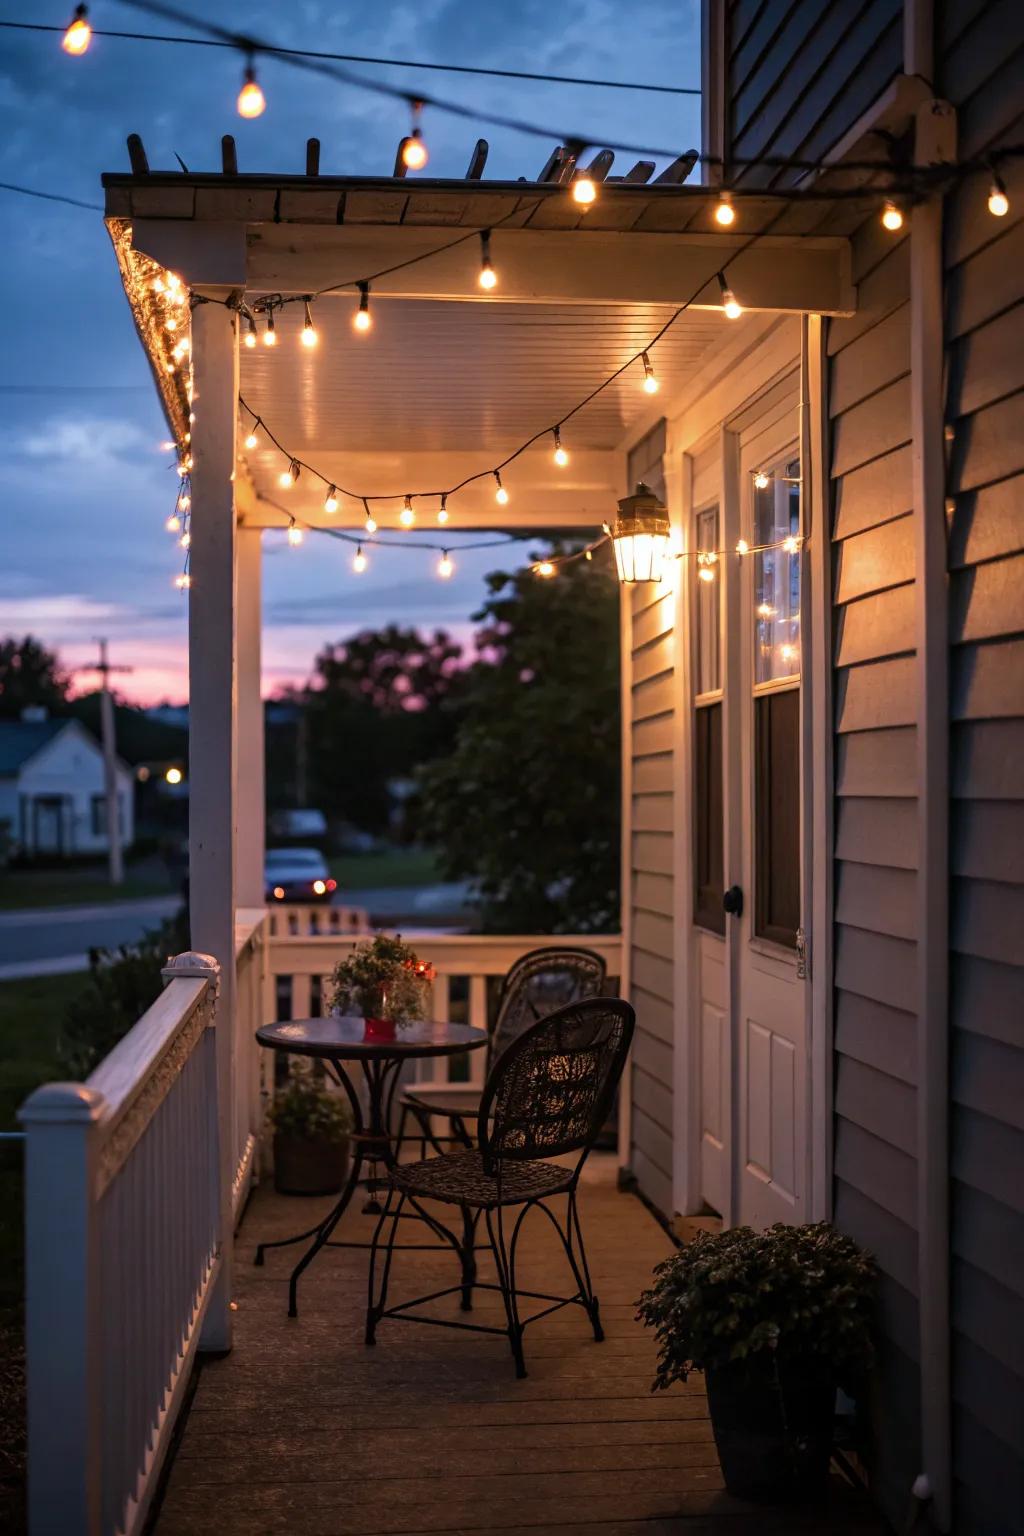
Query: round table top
[345, 1037]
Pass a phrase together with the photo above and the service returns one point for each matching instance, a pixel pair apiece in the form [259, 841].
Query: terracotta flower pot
[773, 1427]
[309, 1165]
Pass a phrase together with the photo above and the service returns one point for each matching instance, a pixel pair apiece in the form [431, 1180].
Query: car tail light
[319, 888]
[279, 892]
[332, 885]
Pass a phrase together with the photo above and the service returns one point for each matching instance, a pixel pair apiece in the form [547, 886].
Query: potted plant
[311, 1138]
[382, 981]
[776, 1320]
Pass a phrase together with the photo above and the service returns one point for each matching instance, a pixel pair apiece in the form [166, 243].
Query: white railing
[251, 926]
[308, 919]
[123, 1251]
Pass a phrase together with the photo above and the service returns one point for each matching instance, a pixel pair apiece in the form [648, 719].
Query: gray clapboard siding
[872, 1165]
[988, 840]
[872, 561]
[875, 493]
[864, 366]
[877, 763]
[883, 899]
[987, 760]
[880, 1036]
[987, 523]
[987, 998]
[988, 600]
[872, 427]
[876, 694]
[985, 1153]
[987, 364]
[879, 833]
[988, 1314]
[876, 627]
[985, 681]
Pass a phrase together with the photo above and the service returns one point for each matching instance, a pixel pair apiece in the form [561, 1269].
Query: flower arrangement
[305, 1109]
[382, 978]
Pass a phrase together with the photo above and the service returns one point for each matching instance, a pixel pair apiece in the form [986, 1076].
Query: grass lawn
[394, 867]
[79, 885]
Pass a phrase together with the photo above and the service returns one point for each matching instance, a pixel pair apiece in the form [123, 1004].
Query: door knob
[732, 901]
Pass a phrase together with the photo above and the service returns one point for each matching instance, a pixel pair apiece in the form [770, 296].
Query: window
[777, 576]
[777, 813]
[99, 815]
[708, 838]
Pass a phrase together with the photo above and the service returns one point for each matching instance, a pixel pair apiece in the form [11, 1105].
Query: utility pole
[115, 858]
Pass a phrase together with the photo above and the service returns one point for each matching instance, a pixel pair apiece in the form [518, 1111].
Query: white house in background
[52, 797]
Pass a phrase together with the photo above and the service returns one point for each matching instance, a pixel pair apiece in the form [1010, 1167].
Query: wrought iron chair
[548, 1094]
[537, 984]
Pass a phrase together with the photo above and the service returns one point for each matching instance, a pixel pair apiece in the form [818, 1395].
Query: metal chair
[537, 984]
[548, 1094]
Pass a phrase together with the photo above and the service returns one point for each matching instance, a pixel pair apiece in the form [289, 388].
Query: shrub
[304, 1109]
[802, 1292]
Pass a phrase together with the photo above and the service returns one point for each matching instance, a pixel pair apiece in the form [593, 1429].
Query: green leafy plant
[382, 978]
[306, 1110]
[802, 1292]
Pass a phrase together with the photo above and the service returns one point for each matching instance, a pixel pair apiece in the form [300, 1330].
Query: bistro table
[342, 1042]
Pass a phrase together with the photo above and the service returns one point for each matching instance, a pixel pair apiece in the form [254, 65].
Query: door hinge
[802, 963]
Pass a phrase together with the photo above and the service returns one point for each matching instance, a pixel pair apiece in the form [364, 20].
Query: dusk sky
[84, 483]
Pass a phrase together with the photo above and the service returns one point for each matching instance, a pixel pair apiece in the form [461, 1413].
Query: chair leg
[496, 1233]
[582, 1269]
[468, 1256]
[375, 1308]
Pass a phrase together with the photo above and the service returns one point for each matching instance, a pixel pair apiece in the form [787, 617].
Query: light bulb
[445, 567]
[765, 610]
[407, 516]
[170, 324]
[359, 561]
[270, 334]
[294, 533]
[361, 320]
[288, 477]
[184, 502]
[544, 568]
[309, 336]
[761, 481]
[250, 336]
[371, 523]
[790, 545]
[185, 540]
[251, 100]
[705, 573]
[488, 276]
[183, 582]
[500, 495]
[252, 439]
[742, 547]
[650, 377]
[787, 652]
[442, 511]
[730, 304]
[584, 190]
[998, 202]
[414, 151]
[725, 213]
[173, 523]
[78, 35]
[560, 456]
[892, 216]
[331, 500]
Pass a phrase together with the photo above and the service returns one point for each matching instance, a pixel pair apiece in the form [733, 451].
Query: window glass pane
[777, 576]
[708, 829]
[707, 606]
[777, 815]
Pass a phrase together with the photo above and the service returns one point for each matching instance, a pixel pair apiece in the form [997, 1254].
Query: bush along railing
[123, 1251]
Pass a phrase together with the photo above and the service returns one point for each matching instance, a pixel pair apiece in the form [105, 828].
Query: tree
[29, 674]
[527, 804]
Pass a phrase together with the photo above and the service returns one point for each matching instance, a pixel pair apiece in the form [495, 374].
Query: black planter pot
[309, 1165]
[772, 1421]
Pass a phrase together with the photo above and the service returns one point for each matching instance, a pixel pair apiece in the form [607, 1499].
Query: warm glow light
[765, 610]
[251, 100]
[791, 545]
[787, 652]
[361, 320]
[445, 565]
[742, 547]
[705, 573]
[442, 511]
[998, 202]
[560, 456]
[309, 336]
[892, 217]
[488, 276]
[725, 213]
[414, 152]
[294, 533]
[544, 568]
[319, 887]
[279, 893]
[252, 439]
[79, 33]
[270, 334]
[730, 304]
[650, 377]
[640, 537]
[584, 190]
[250, 335]
[500, 495]
[359, 561]
[331, 500]
[407, 516]
[185, 540]
[183, 582]
[173, 523]
[761, 481]
[287, 478]
[371, 523]
[174, 775]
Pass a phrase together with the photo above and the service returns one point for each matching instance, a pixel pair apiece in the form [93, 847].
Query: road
[50, 940]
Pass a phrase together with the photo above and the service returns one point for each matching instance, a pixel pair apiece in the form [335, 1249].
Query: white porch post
[250, 768]
[212, 729]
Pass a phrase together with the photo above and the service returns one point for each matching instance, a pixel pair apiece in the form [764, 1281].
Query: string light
[414, 151]
[544, 568]
[765, 610]
[761, 481]
[331, 499]
[185, 540]
[288, 477]
[270, 334]
[445, 565]
[732, 307]
[560, 456]
[998, 202]
[309, 336]
[742, 547]
[250, 335]
[790, 545]
[251, 100]
[294, 533]
[650, 377]
[725, 213]
[442, 511]
[488, 276]
[362, 320]
[584, 190]
[706, 562]
[183, 581]
[407, 516]
[500, 495]
[359, 561]
[78, 34]
[252, 440]
[371, 522]
[173, 523]
[892, 215]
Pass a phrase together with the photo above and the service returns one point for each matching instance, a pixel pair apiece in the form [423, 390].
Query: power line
[361, 58]
[50, 197]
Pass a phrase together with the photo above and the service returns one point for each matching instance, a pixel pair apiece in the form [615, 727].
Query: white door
[765, 927]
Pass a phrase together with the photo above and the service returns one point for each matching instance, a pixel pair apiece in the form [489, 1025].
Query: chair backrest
[538, 983]
[550, 1090]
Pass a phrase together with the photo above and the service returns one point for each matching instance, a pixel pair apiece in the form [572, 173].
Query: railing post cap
[192, 963]
[70, 1103]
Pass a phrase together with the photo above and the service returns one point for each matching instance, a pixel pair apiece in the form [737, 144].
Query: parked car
[297, 874]
[298, 823]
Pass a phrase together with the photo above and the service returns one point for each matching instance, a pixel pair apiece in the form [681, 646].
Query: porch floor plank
[302, 1429]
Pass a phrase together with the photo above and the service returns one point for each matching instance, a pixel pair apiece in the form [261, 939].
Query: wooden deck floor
[302, 1429]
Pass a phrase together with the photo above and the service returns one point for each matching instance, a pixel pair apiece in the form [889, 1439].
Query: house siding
[652, 893]
[978, 68]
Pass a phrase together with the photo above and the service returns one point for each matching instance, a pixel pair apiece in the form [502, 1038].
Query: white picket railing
[251, 929]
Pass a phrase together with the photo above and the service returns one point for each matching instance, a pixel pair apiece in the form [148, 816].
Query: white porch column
[251, 796]
[212, 729]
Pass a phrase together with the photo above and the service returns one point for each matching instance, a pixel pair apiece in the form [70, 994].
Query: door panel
[715, 1153]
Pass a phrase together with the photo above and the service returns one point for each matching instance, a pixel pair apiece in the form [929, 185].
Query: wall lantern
[640, 536]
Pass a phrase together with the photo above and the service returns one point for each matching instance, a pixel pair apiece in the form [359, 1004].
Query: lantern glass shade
[641, 536]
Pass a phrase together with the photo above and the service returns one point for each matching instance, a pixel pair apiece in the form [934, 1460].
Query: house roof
[22, 739]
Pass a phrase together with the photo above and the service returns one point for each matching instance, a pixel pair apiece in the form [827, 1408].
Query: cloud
[92, 440]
